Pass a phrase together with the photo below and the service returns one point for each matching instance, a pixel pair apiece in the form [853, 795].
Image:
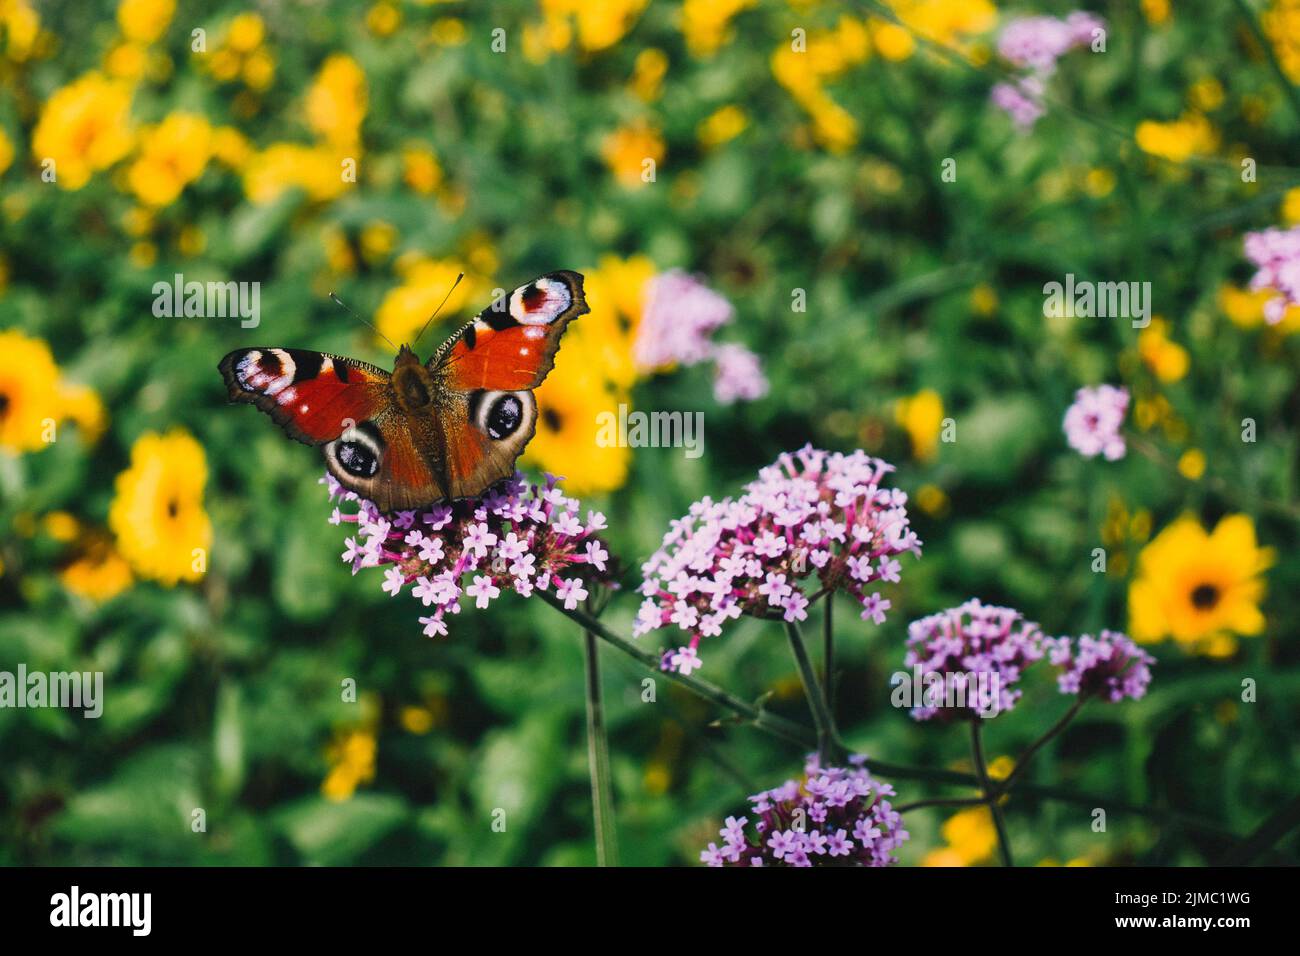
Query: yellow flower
[1246, 309]
[383, 19]
[157, 512]
[316, 170]
[84, 128]
[420, 169]
[1291, 206]
[352, 762]
[600, 23]
[946, 22]
[259, 70]
[126, 61]
[1196, 587]
[98, 574]
[569, 403]
[144, 20]
[336, 100]
[172, 154]
[230, 147]
[648, 74]
[377, 240]
[721, 126]
[627, 149]
[1179, 140]
[931, 499]
[6, 151]
[706, 24]
[34, 398]
[1166, 359]
[892, 41]
[245, 33]
[191, 241]
[922, 417]
[425, 282]
[971, 839]
[1155, 11]
[1281, 23]
[615, 293]
[1206, 93]
[417, 720]
[1191, 464]
[20, 25]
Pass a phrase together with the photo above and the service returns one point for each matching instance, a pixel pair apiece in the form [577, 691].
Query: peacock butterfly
[449, 428]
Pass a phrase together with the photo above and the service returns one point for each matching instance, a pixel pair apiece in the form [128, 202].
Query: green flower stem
[1004, 785]
[828, 653]
[602, 791]
[990, 794]
[830, 749]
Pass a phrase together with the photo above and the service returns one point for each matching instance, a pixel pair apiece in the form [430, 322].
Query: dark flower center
[553, 420]
[1205, 596]
[173, 508]
[4, 404]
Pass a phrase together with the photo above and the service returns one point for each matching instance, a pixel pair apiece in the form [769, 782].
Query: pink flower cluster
[679, 317]
[516, 537]
[1092, 424]
[810, 514]
[1276, 254]
[1110, 666]
[1035, 44]
[966, 642]
[839, 817]
[975, 640]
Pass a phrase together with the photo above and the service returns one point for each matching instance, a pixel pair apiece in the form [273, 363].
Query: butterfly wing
[489, 369]
[345, 405]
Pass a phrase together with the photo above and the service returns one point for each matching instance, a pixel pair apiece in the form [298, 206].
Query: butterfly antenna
[439, 309]
[350, 311]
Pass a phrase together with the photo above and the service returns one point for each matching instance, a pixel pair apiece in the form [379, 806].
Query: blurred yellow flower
[721, 126]
[828, 54]
[1155, 11]
[34, 397]
[84, 127]
[1191, 464]
[600, 23]
[921, 416]
[98, 574]
[1178, 140]
[144, 20]
[1196, 587]
[629, 152]
[1246, 309]
[143, 254]
[172, 154]
[449, 31]
[1206, 93]
[191, 241]
[569, 402]
[417, 720]
[259, 70]
[377, 240]
[352, 762]
[1166, 359]
[971, 839]
[6, 151]
[1281, 23]
[20, 27]
[230, 147]
[383, 19]
[1291, 206]
[946, 22]
[706, 24]
[420, 169]
[337, 99]
[931, 499]
[425, 282]
[648, 73]
[157, 513]
[246, 32]
[615, 293]
[317, 170]
[984, 300]
[892, 41]
[126, 61]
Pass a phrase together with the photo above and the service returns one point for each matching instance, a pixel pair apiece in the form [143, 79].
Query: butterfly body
[424, 432]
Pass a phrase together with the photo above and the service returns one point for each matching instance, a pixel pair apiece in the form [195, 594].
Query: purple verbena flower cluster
[516, 537]
[1092, 424]
[1111, 666]
[678, 319]
[838, 817]
[810, 513]
[1276, 254]
[1035, 44]
[964, 643]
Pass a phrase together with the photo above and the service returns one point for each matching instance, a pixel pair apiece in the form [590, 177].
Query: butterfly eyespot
[504, 416]
[357, 459]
